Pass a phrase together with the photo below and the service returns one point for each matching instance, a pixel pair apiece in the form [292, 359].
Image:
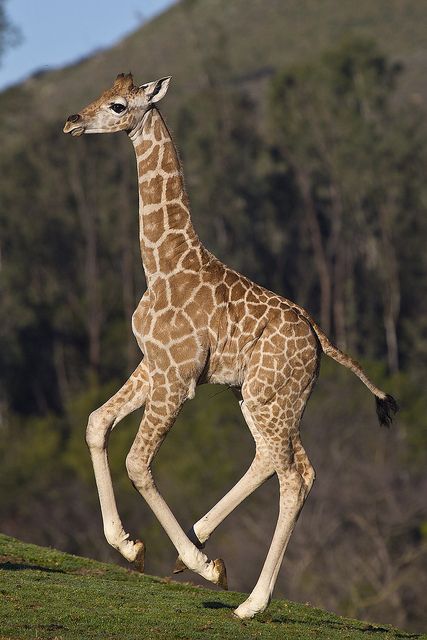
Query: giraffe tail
[386, 405]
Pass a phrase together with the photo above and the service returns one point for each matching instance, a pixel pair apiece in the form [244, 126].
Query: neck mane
[168, 240]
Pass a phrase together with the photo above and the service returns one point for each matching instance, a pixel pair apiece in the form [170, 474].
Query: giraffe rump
[386, 408]
[385, 403]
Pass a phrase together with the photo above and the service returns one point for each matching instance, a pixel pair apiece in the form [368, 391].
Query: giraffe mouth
[75, 130]
[78, 131]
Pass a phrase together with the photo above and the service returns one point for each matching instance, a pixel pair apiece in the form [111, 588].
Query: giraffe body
[201, 322]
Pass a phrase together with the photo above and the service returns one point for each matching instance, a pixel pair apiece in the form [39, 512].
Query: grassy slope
[259, 36]
[49, 594]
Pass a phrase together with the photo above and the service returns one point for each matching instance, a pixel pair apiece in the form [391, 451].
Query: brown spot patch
[204, 298]
[268, 361]
[153, 225]
[184, 350]
[159, 379]
[151, 190]
[181, 326]
[290, 316]
[157, 355]
[150, 163]
[157, 129]
[221, 293]
[148, 259]
[196, 313]
[158, 393]
[143, 147]
[230, 278]
[178, 216]
[170, 250]
[174, 375]
[257, 310]
[237, 311]
[250, 296]
[137, 319]
[301, 329]
[162, 327]
[169, 160]
[192, 261]
[161, 299]
[182, 286]
[278, 341]
[238, 291]
[174, 188]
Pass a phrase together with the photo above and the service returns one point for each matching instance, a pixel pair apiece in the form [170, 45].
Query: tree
[9, 33]
[347, 147]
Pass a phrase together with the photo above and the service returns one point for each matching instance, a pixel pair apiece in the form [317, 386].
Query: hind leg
[278, 422]
[305, 469]
[259, 471]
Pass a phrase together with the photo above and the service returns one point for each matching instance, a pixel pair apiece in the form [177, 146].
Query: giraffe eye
[117, 107]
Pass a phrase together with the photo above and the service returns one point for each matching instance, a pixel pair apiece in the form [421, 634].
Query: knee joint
[139, 472]
[97, 430]
[309, 476]
[262, 465]
[293, 484]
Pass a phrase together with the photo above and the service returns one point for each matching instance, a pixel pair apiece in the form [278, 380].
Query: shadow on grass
[217, 605]
[12, 566]
[332, 624]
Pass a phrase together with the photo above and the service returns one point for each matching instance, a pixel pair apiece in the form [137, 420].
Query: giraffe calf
[201, 322]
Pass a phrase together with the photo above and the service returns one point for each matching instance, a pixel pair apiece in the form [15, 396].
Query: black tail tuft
[386, 407]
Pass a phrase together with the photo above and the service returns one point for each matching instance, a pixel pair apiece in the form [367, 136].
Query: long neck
[167, 237]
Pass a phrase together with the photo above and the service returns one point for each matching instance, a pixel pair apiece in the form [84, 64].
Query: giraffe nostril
[74, 118]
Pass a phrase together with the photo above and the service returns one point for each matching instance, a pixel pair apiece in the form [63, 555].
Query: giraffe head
[120, 108]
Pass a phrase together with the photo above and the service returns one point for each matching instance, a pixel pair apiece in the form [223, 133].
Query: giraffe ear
[155, 91]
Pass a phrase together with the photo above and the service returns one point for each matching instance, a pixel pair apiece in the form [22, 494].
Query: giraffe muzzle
[73, 125]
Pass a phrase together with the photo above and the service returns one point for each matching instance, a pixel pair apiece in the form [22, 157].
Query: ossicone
[124, 81]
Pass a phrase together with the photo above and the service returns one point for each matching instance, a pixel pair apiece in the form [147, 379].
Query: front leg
[130, 397]
[162, 407]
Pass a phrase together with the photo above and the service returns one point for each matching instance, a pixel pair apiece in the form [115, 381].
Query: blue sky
[57, 32]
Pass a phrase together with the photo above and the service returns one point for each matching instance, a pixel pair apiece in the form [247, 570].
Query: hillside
[255, 42]
[49, 594]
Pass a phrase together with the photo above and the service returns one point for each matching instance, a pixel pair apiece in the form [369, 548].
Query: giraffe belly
[226, 368]
[226, 376]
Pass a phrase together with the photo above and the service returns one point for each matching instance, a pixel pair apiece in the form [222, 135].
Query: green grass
[49, 594]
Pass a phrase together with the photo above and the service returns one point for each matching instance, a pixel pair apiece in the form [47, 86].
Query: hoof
[222, 574]
[249, 609]
[179, 566]
[139, 561]
[243, 614]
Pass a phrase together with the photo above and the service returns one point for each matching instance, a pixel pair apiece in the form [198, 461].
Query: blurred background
[302, 129]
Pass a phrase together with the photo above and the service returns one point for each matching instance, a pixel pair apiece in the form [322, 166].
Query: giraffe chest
[168, 337]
